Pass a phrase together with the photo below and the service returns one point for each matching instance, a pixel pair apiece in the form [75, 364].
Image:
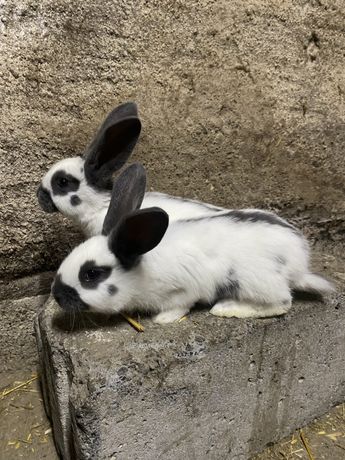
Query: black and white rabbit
[245, 263]
[80, 187]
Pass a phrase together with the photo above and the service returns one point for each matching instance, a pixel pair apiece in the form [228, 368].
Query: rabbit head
[97, 275]
[81, 185]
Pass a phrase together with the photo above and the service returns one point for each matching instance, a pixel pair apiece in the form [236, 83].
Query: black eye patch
[63, 183]
[91, 275]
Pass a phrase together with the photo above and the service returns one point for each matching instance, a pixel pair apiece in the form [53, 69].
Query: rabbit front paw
[170, 316]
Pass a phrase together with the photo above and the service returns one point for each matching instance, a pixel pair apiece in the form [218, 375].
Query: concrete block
[205, 388]
[17, 336]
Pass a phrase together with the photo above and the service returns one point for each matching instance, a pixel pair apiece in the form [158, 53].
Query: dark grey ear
[112, 145]
[138, 233]
[127, 195]
[45, 200]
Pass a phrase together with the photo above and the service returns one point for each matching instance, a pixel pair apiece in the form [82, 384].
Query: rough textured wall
[242, 104]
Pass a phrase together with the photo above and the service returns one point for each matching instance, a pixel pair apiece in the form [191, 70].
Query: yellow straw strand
[137, 326]
[305, 444]
[182, 319]
[7, 392]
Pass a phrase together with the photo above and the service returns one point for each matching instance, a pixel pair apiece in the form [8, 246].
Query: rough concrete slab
[29, 286]
[202, 388]
[17, 337]
[20, 300]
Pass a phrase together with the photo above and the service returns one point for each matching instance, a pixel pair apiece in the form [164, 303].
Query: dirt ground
[324, 439]
[25, 431]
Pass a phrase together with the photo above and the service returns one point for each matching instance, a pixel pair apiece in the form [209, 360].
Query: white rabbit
[80, 187]
[245, 263]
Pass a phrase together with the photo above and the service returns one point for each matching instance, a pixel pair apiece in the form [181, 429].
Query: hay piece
[11, 390]
[182, 319]
[25, 442]
[37, 425]
[137, 326]
[306, 446]
[25, 390]
[339, 445]
[334, 436]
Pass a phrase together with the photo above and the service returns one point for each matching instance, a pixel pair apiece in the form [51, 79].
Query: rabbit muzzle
[67, 297]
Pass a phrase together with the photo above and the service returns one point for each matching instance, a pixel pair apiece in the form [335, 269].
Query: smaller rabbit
[80, 187]
[245, 263]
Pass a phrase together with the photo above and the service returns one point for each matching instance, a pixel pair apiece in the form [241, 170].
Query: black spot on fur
[112, 289]
[249, 216]
[66, 296]
[91, 275]
[230, 289]
[75, 200]
[63, 183]
[259, 216]
[45, 201]
[280, 260]
[280, 263]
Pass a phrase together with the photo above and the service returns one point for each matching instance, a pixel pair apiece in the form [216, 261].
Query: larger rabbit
[245, 263]
[80, 187]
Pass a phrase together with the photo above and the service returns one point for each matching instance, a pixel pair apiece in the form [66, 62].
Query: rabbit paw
[231, 308]
[169, 316]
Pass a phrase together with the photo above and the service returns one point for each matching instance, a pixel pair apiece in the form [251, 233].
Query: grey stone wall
[242, 104]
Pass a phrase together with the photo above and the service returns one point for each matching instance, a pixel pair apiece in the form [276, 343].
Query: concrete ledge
[205, 388]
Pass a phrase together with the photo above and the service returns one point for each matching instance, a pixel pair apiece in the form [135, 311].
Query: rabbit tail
[309, 282]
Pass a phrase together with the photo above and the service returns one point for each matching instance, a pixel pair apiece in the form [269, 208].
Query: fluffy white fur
[192, 260]
[90, 213]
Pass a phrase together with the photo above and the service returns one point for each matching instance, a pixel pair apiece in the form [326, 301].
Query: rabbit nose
[56, 290]
[67, 297]
[45, 201]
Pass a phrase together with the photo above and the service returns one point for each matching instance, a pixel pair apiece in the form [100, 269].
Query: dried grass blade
[306, 446]
[137, 326]
[11, 390]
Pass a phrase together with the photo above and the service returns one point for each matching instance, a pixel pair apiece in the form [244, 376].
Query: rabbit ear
[138, 233]
[127, 195]
[112, 145]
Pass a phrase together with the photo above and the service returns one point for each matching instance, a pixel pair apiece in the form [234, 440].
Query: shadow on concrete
[307, 296]
[80, 321]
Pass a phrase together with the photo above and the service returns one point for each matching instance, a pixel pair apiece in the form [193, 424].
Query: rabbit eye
[62, 181]
[91, 275]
